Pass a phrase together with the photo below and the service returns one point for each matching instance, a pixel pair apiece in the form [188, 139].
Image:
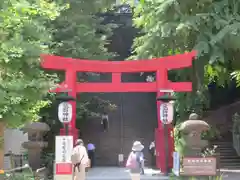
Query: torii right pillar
[163, 83]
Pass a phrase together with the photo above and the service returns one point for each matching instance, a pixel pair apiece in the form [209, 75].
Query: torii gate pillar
[158, 65]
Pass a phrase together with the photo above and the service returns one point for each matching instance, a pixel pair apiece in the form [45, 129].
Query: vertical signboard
[176, 163]
[63, 152]
[63, 148]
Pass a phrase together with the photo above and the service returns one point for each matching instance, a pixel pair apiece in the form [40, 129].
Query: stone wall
[13, 139]
[222, 117]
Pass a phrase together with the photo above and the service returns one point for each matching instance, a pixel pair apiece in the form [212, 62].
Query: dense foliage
[79, 33]
[72, 29]
[209, 26]
[24, 36]
[33, 27]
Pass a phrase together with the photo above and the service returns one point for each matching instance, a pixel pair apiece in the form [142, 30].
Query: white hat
[137, 146]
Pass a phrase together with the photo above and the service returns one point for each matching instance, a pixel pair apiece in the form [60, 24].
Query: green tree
[24, 36]
[76, 31]
[210, 27]
[79, 32]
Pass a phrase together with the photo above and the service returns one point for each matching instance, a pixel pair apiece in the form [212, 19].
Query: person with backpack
[135, 160]
[91, 153]
[79, 160]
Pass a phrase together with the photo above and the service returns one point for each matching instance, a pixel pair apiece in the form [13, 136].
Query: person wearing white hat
[79, 160]
[135, 160]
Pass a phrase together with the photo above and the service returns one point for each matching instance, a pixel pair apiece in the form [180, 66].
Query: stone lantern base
[35, 130]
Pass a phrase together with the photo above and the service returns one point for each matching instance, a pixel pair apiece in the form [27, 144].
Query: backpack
[132, 161]
[76, 156]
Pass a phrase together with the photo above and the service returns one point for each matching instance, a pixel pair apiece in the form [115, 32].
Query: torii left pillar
[71, 79]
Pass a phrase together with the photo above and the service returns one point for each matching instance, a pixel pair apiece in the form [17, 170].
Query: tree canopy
[75, 29]
[209, 26]
[33, 27]
[24, 37]
[78, 32]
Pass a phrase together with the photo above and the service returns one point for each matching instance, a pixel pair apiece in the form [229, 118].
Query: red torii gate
[158, 65]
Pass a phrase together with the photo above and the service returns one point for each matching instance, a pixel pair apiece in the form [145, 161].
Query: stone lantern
[191, 131]
[35, 131]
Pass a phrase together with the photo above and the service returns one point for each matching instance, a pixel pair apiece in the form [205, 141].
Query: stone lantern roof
[36, 127]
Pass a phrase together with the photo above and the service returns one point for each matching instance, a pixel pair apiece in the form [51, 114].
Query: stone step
[224, 146]
[226, 149]
[229, 157]
[229, 165]
[222, 153]
[220, 142]
[230, 152]
[227, 168]
[230, 160]
[226, 153]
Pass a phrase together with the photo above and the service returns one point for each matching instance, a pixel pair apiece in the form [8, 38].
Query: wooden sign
[199, 166]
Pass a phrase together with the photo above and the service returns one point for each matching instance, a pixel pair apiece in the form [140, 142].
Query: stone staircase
[228, 155]
[221, 119]
[108, 144]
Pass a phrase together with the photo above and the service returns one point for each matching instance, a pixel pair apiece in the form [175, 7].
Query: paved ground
[115, 173]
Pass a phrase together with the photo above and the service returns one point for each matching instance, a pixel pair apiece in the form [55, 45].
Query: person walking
[142, 162]
[135, 159]
[91, 153]
[105, 122]
[152, 151]
[79, 160]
